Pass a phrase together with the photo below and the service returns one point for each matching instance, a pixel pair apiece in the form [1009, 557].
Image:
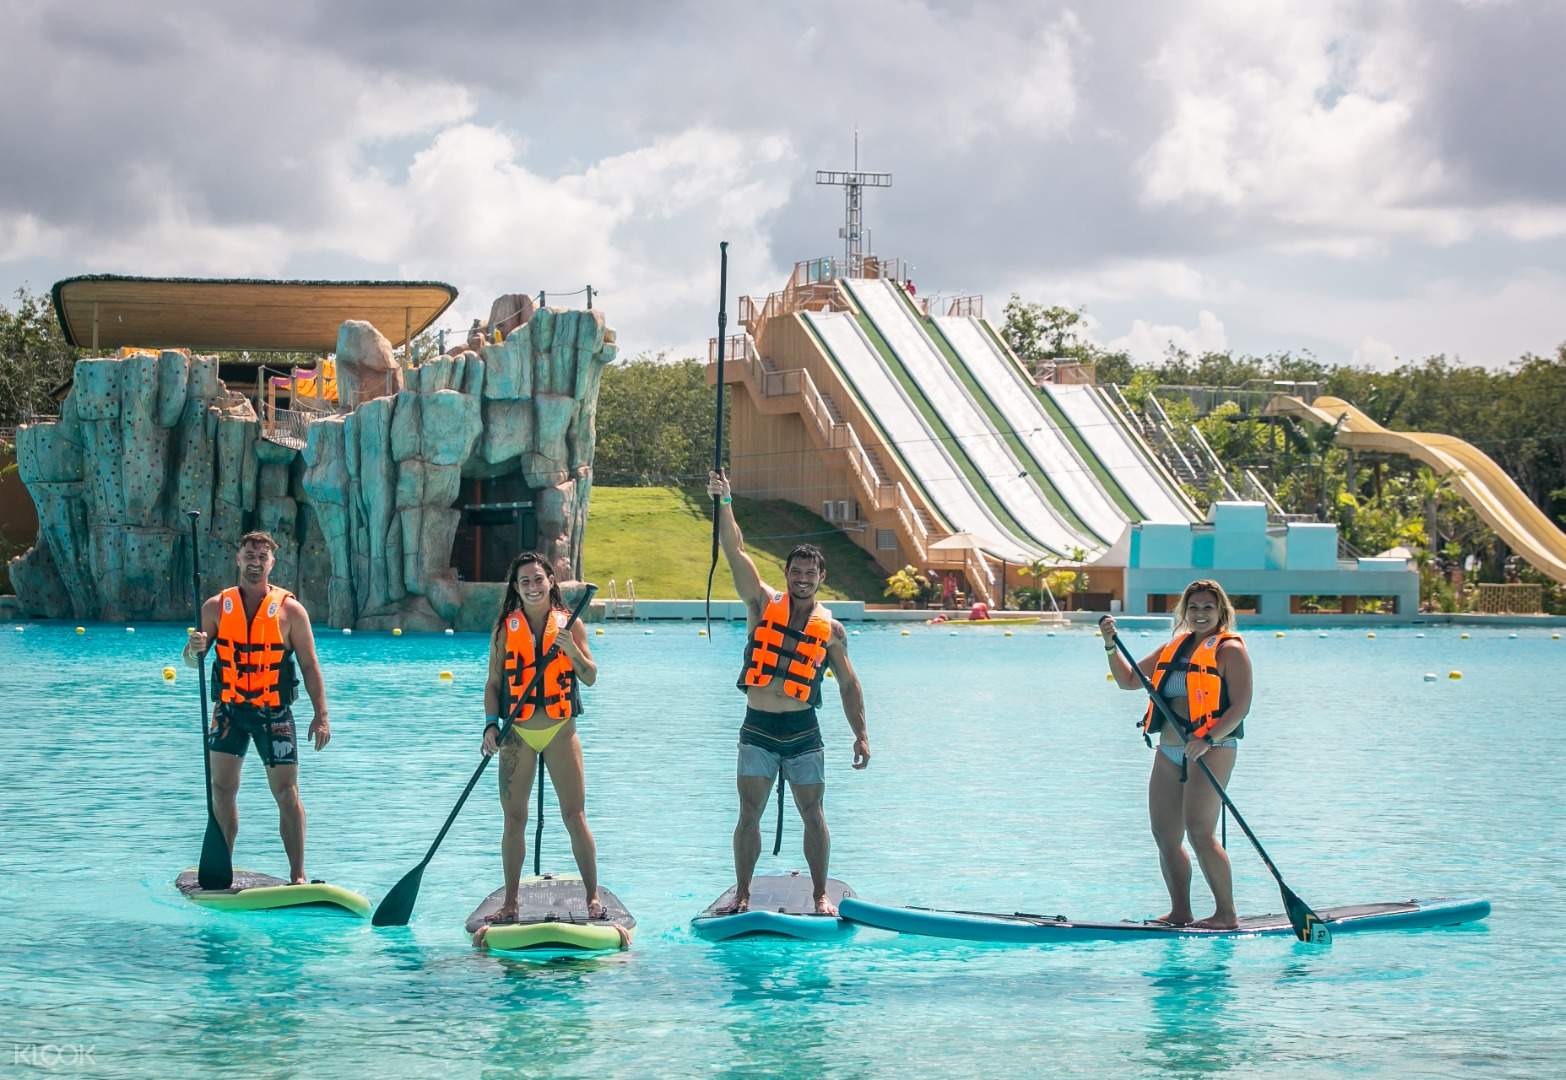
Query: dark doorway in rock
[497, 522]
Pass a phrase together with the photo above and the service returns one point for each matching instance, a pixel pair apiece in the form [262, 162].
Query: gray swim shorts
[806, 768]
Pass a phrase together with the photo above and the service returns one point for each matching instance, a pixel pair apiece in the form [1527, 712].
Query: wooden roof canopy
[108, 311]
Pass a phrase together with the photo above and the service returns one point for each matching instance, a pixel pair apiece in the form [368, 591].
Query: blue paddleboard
[781, 905]
[1025, 928]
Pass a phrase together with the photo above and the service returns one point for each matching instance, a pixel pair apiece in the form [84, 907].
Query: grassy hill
[662, 537]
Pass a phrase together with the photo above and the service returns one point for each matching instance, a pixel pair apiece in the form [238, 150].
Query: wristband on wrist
[726, 499]
[492, 721]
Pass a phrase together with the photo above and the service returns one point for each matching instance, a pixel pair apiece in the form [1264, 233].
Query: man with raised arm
[259, 630]
[792, 642]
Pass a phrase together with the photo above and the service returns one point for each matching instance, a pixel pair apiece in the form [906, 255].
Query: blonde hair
[1225, 605]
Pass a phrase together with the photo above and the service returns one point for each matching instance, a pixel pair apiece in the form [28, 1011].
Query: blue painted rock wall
[364, 514]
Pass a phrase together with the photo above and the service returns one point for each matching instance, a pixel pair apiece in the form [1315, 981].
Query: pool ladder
[621, 607]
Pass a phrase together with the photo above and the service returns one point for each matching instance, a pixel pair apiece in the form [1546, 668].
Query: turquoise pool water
[1006, 775]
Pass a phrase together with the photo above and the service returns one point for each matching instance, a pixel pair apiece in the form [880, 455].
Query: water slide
[1023, 412]
[1104, 432]
[925, 456]
[1019, 496]
[1497, 499]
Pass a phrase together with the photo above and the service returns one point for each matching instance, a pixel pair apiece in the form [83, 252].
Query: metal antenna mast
[853, 184]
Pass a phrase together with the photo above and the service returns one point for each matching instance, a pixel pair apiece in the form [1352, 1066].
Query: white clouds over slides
[1356, 179]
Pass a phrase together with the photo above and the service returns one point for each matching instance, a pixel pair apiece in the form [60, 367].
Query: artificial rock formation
[365, 513]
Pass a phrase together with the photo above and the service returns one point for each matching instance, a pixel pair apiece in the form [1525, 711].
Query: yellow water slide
[1484, 484]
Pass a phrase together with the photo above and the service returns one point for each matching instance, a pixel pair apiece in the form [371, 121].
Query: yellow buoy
[1370, 633]
[190, 629]
[1464, 635]
[1454, 674]
[1008, 633]
[1553, 637]
[81, 629]
[701, 633]
[445, 676]
[1277, 633]
[599, 631]
[169, 674]
[829, 674]
[1109, 676]
[396, 631]
[905, 633]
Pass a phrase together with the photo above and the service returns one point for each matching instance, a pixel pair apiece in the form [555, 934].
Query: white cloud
[1149, 342]
[1146, 161]
[1374, 354]
[1129, 280]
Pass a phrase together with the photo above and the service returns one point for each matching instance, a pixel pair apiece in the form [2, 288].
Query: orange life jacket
[1205, 696]
[252, 666]
[798, 656]
[557, 690]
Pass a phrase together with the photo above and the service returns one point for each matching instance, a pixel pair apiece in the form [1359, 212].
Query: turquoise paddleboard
[1021, 927]
[781, 905]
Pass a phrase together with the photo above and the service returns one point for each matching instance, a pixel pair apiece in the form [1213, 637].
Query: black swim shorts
[234, 727]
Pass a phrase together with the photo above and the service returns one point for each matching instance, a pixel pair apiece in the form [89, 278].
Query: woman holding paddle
[534, 628]
[1204, 675]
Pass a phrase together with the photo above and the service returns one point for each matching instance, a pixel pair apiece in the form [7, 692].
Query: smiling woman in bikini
[1204, 673]
[531, 620]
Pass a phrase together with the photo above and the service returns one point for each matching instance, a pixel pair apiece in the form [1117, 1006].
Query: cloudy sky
[1363, 180]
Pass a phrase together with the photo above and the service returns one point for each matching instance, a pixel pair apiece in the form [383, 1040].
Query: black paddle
[215, 872]
[777, 841]
[717, 438]
[1308, 926]
[397, 906]
[538, 831]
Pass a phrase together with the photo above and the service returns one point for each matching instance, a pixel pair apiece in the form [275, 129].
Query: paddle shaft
[516, 708]
[216, 869]
[1178, 726]
[777, 840]
[717, 435]
[538, 830]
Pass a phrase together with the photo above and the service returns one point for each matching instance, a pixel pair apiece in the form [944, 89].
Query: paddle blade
[1308, 926]
[397, 906]
[215, 872]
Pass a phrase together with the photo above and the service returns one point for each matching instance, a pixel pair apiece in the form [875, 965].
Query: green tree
[34, 358]
[654, 422]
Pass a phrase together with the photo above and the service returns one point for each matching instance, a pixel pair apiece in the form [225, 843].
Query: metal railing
[874, 491]
[1158, 422]
[1205, 450]
[621, 607]
[953, 305]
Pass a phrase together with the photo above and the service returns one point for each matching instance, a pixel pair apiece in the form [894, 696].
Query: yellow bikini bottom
[538, 738]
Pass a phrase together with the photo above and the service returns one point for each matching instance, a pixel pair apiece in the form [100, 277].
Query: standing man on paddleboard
[259, 630]
[793, 640]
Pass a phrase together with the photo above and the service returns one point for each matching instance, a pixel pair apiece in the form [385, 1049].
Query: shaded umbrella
[967, 541]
